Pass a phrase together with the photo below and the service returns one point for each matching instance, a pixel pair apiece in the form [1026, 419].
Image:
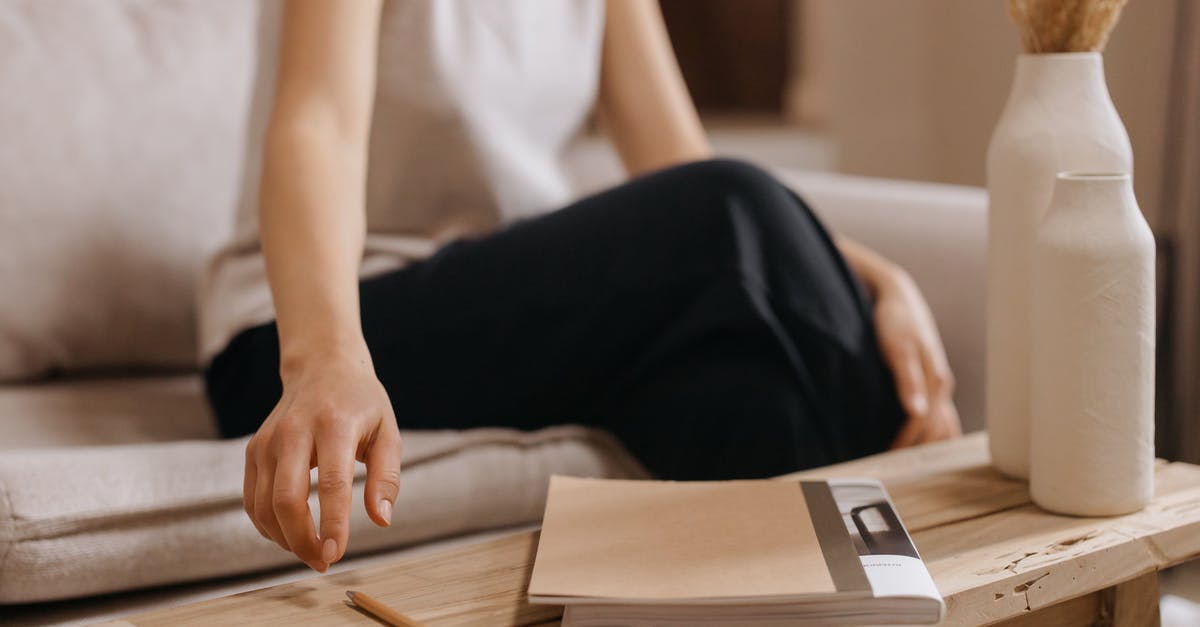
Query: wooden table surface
[994, 555]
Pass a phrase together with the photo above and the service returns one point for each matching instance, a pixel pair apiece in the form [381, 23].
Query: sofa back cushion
[122, 128]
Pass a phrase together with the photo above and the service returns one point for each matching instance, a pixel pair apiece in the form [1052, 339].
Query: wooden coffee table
[995, 556]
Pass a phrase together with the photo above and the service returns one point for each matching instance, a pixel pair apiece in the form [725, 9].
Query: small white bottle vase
[1059, 117]
[1092, 392]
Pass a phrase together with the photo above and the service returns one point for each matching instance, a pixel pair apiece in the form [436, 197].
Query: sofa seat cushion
[94, 518]
[111, 410]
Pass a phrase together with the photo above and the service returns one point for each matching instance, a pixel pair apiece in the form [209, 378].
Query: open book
[767, 552]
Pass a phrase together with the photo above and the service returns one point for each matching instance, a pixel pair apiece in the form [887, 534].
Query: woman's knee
[730, 178]
[745, 194]
[734, 174]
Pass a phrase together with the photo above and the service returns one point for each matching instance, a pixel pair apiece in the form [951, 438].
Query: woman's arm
[312, 218]
[911, 345]
[314, 171]
[643, 99]
[653, 124]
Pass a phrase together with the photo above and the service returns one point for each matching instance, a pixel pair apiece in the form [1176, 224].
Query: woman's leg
[701, 314]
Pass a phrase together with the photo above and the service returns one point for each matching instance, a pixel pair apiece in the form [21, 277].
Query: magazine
[759, 552]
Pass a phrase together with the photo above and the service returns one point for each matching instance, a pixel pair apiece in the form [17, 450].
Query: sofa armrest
[936, 232]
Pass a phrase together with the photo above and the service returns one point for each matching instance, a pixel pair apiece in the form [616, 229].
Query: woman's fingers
[290, 501]
[249, 483]
[908, 336]
[951, 427]
[335, 482]
[383, 472]
[955, 423]
[941, 424]
[910, 380]
[264, 509]
[925, 386]
[321, 421]
[910, 386]
[938, 376]
[941, 388]
[910, 433]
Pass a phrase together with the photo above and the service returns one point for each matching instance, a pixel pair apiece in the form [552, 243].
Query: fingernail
[329, 550]
[919, 404]
[385, 510]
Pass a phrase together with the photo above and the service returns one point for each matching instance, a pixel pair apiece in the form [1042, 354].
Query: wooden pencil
[375, 608]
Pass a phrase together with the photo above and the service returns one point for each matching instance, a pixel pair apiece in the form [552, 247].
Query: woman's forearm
[643, 99]
[312, 227]
[311, 204]
[312, 218]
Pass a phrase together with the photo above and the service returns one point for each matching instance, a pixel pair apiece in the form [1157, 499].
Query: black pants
[701, 314]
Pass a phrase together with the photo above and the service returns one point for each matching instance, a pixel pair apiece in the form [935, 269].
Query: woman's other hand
[911, 346]
[333, 411]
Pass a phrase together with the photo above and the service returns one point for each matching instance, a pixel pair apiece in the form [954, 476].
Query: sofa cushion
[89, 520]
[122, 126]
[100, 411]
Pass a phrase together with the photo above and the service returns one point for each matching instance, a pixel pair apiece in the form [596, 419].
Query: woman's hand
[909, 339]
[312, 218]
[333, 411]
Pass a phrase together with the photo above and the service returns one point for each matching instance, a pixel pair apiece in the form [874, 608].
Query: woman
[698, 312]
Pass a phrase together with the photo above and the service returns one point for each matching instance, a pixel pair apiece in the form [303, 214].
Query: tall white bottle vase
[1059, 117]
[1092, 395]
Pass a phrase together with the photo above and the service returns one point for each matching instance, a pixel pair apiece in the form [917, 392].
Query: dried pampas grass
[1065, 25]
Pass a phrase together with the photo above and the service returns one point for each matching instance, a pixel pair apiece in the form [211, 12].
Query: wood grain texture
[480, 584]
[1084, 611]
[995, 557]
[1133, 603]
[1022, 559]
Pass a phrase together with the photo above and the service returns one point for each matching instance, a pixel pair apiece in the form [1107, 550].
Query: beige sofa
[121, 133]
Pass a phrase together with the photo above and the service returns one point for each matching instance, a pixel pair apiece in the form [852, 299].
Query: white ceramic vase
[1058, 117]
[1092, 392]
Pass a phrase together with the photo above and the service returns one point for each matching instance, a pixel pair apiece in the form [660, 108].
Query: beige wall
[912, 89]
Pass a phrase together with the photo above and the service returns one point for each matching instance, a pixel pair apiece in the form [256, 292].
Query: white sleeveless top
[475, 103]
